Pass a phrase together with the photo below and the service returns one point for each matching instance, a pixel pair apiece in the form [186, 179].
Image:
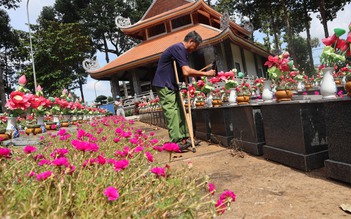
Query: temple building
[167, 22]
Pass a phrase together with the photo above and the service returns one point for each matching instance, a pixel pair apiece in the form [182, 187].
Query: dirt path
[264, 189]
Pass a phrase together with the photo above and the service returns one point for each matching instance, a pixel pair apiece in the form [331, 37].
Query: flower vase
[343, 81]
[209, 100]
[11, 127]
[267, 94]
[283, 95]
[243, 99]
[232, 97]
[258, 92]
[328, 86]
[56, 118]
[299, 86]
[40, 121]
[66, 121]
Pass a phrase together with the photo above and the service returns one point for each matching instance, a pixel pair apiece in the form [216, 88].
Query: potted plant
[243, 93]
[279, 69]
[334, 55]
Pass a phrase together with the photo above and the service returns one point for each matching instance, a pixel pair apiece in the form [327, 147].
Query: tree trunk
[81, 90]
[107, 58]
[2, 91]
[276, 39]
[307, 26]
[323, 17]
[289, 33]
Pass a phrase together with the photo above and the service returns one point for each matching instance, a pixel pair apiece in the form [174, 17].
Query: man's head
[118, 97]
[192, 40]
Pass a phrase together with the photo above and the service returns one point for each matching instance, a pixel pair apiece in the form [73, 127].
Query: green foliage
[128, 112]
[10, 4]
[110, 99]
[60, 49]
[100, 98]
[302, 58]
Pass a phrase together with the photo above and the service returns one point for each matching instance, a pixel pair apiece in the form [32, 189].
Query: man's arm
[190, 72]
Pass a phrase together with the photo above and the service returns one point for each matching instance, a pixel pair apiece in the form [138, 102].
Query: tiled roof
[160, 6]
[151, 50]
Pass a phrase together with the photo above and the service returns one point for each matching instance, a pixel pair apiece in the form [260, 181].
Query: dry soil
[264, 189]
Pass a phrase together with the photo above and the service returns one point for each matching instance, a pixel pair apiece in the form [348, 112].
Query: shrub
[103, 169]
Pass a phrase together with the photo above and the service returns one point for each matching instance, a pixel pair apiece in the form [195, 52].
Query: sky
[95, 88]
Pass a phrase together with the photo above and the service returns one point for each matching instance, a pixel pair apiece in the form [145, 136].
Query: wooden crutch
[187, 114]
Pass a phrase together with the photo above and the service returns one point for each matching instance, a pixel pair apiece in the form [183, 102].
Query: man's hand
[210, 73]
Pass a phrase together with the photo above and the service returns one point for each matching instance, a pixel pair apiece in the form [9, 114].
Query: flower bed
[104, 169]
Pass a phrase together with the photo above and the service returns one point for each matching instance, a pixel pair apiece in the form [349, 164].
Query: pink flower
[304, 93]
[125, 153]
[154, 141]
[159, 171]
[39, 157]
[80, 134]
[43, 162]
[121, 165]
[22, 80]
[220, 207]
[171, 147]
[138, 149]
[211, 188]
[59, 152]
[228, 194]
[149, 156]
[43, 176]
[158, 148]
[61, 161]
[84, 146]
[29, 149]
[70, 169]
[101, 159]
[62, 132]
[316, 93]
[31, 174]
[5, 152]
[116, 140]
[111, 193]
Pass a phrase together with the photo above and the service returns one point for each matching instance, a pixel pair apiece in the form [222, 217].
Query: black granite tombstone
[248, 133]
[221, 125]
[337, 117]
[295, 134]
[201, 121]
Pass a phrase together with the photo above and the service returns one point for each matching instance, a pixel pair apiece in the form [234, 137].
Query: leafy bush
[100, 171]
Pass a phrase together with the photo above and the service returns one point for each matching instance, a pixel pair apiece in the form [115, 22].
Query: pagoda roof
[161, 6]
[150, 51]
[155, 15]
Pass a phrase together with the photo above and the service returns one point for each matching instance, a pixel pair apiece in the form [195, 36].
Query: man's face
[192, 46]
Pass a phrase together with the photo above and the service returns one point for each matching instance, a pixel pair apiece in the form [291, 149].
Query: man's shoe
[184, 146]
[196, 142]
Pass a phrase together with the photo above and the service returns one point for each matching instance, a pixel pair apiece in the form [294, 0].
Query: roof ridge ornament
[91, 64]
[224, 21]
[122, 22]
[245, 22]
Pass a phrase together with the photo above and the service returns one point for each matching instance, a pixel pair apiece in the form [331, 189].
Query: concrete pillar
[136, 83]
[115, 87]
[125, 88]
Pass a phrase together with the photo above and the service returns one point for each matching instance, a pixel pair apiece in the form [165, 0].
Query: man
[167, 88]
[119, 107]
